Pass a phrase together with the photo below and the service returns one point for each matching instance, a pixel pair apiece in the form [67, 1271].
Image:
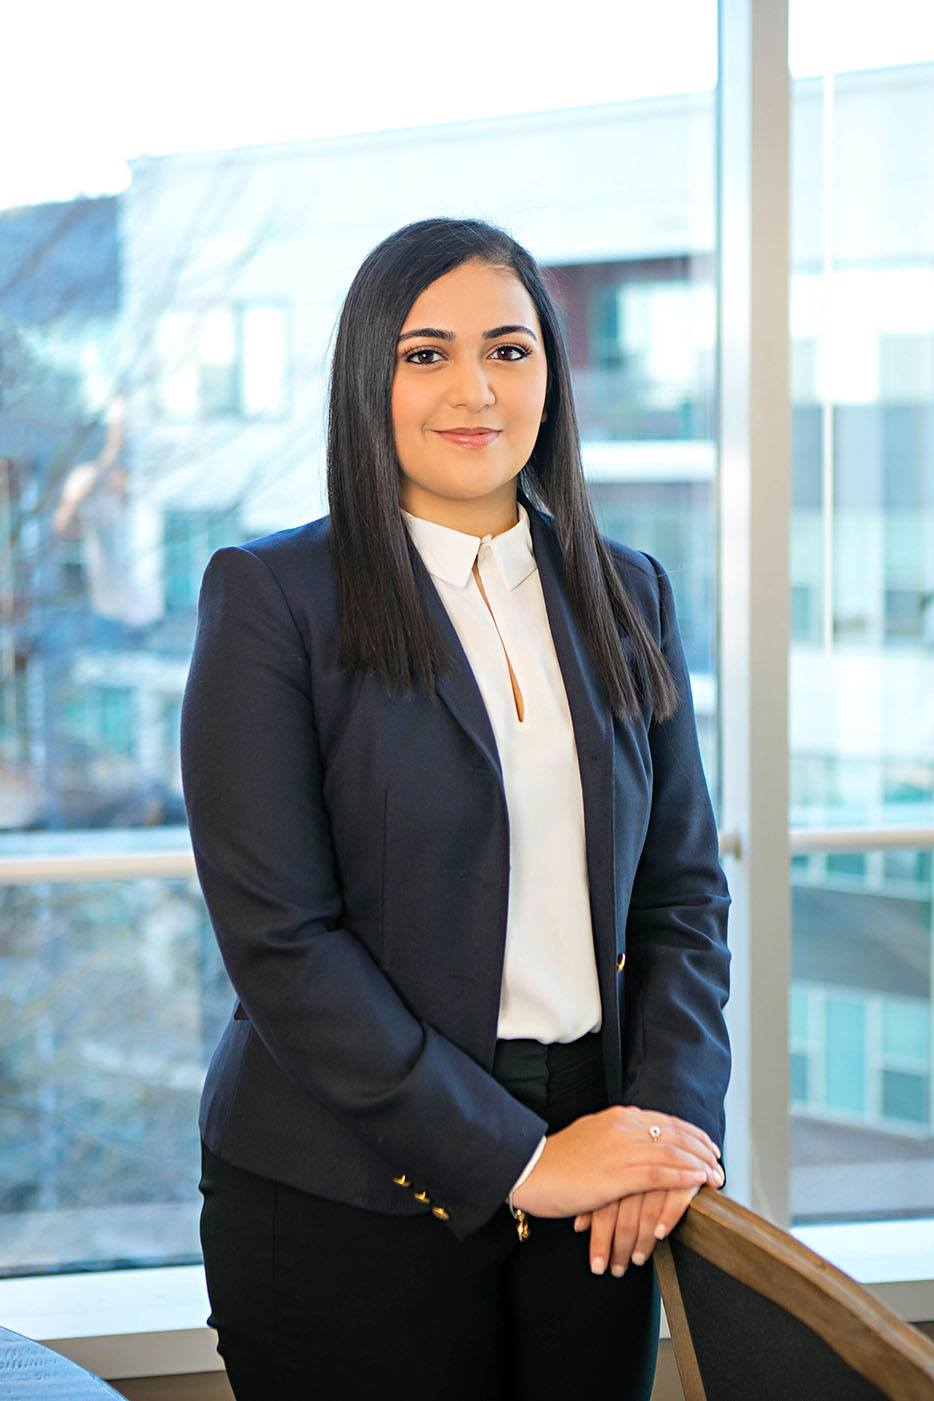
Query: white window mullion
[755, 498]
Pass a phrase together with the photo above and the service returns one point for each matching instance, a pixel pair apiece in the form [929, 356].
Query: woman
[451, 825]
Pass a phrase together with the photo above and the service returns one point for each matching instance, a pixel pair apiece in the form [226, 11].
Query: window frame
[753, 250]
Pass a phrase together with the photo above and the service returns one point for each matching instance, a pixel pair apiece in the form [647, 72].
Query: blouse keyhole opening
[516, 690]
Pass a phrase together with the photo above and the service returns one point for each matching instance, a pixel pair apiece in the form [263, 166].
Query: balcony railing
[172, 862]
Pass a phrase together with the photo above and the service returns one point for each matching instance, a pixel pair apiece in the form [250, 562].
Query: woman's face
[468, 398]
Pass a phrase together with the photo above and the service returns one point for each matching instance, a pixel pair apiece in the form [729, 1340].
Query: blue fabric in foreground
[28, 1370]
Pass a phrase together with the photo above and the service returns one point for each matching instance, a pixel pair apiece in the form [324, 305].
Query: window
[906, 1050]
[805, 619]
[859, 1033]
[115, 998]
[226, 362]
[189, 540]
[672, 521]
[904, 614]
[99, 717]
[641, 336]
[224, 382]
[860, 1059]
[226, 273]
[861, 667]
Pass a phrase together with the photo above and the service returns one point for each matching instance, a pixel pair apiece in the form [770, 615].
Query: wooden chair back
[756, 1316]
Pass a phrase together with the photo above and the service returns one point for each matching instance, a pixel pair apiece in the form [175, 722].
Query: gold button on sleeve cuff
[441, 1214]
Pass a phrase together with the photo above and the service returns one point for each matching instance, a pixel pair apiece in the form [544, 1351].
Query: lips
[469, 437]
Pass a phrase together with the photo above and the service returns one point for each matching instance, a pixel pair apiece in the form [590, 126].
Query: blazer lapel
[593, 733]
[587, 698]
[458, 688]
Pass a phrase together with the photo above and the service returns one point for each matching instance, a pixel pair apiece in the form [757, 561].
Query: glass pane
[264, 361]
[905, 1097]
[799, 1013]
[164, 348]
[862, 607]
[112, 999]
[906, 1032]
[845, 1055]
[800, 1078]
[862, 1127]
[674, 521]
[172, 385]
[862, 299]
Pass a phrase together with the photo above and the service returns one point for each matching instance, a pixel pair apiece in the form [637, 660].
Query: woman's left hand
[629, 1229]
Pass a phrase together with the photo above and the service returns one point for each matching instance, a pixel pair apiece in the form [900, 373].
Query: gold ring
[655, 1133]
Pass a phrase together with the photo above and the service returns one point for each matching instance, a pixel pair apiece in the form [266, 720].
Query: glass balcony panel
[112, 1000]
[861, 1014]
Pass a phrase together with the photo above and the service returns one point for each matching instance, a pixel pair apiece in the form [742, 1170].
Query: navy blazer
[353, 849]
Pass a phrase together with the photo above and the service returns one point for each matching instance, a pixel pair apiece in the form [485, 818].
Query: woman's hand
[604, 1157]
[629, 1229]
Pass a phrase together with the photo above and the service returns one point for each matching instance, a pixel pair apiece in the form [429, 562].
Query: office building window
[226, 362]
[859, 1034]
[98, 718]
[189, 540]
[641, 337]
[672, 522]
[861, 1059]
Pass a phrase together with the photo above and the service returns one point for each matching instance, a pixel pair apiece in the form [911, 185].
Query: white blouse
[550, 990]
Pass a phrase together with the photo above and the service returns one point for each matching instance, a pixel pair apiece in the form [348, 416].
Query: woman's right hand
[602, 1157]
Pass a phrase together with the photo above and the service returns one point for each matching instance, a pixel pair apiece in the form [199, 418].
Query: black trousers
[314, 1300]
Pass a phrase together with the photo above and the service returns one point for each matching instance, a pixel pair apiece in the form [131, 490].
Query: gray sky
[86, 87]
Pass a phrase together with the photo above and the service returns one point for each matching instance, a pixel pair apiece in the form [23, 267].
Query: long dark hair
[385, 626]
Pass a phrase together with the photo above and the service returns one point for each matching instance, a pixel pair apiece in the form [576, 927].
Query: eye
[511, 353]
[426, 355]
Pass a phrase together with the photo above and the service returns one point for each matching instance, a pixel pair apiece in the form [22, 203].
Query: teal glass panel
[845, 1051]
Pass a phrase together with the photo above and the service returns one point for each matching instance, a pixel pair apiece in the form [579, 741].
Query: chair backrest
[757, 1316]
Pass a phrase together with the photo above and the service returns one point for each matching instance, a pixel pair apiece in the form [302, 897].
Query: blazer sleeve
[676, 1047]
[252, 777]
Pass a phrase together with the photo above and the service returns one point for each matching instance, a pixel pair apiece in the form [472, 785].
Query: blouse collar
[450, 554]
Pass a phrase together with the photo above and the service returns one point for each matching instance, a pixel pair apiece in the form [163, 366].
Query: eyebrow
[434, 334]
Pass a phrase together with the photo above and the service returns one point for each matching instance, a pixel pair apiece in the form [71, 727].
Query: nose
[470, 386]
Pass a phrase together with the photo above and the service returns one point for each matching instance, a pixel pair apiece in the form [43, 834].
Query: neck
[490, 516]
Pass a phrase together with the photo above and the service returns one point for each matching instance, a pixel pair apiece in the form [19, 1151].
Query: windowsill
[120, 1323]
[150, 1323]
[893, 1259]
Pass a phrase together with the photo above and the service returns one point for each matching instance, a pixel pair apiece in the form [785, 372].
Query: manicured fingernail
[618, 1270]
[578, 1224]
[638, 1258]
[598, 1264]
[660, 1232]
